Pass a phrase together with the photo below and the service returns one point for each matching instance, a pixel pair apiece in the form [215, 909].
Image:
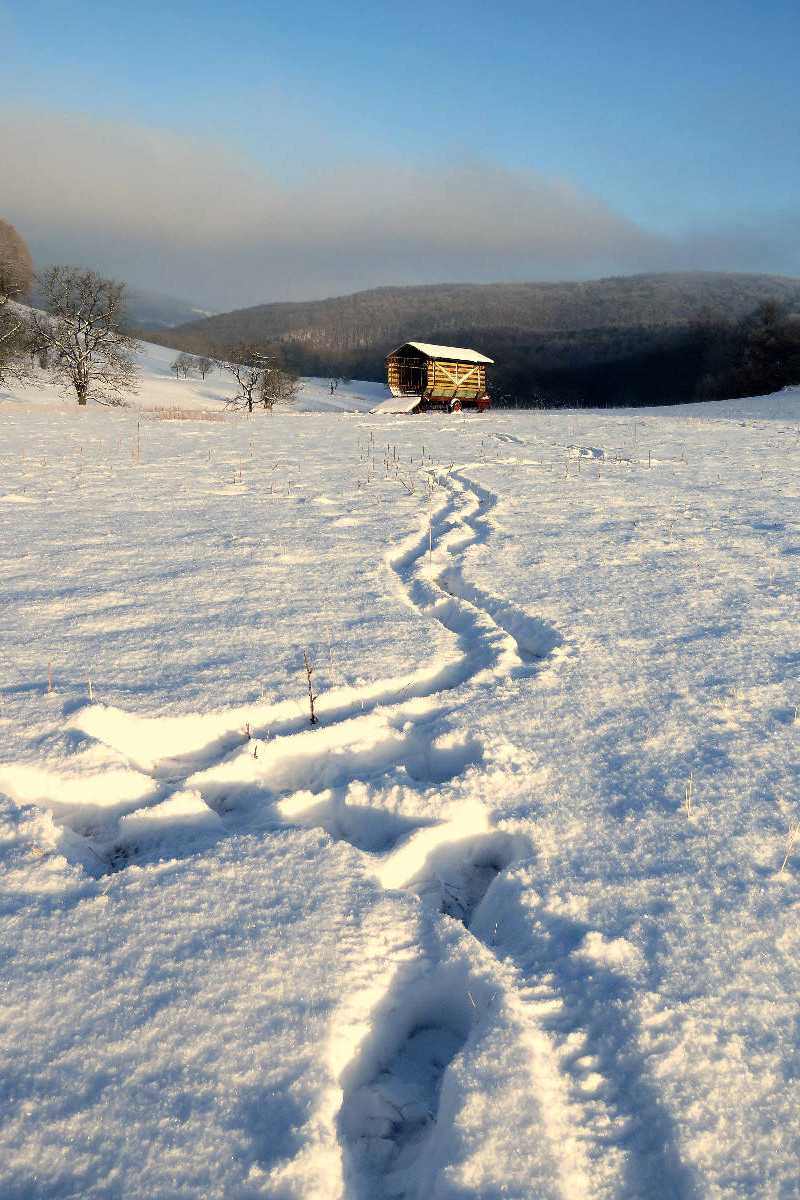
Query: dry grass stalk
[183, 414]
[793, 831]
[311, 696]
[689, 794]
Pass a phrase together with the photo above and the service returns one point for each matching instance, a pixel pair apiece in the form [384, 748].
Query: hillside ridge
[664, 296]
[550, 341]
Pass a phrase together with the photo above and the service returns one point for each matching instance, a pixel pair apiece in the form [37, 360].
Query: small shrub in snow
[311, 696]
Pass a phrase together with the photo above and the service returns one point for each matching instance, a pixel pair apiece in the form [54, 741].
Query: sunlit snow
[512, 917]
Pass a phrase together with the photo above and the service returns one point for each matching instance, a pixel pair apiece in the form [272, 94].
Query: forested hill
[601, 341]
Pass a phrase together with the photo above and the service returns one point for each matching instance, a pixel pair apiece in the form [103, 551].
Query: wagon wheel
[455, 406]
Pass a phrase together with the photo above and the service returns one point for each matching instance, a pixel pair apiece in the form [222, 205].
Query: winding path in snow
[204, 778]
[179, 783]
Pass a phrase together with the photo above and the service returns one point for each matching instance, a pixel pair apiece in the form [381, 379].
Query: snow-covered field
[470, 935]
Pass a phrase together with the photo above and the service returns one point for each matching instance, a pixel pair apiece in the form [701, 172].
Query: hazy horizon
[309, 159]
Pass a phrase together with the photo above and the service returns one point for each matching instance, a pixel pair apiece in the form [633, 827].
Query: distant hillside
[150, 310]
[154, 310]
[551, 341]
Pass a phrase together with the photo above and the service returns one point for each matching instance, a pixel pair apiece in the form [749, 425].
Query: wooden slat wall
[464, 381]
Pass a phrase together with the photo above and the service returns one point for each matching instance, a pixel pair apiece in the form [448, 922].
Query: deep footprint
[458, 875]
[386, 1119]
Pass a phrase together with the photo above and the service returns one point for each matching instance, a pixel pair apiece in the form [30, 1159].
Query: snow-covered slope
[511, 919]
[159, 390]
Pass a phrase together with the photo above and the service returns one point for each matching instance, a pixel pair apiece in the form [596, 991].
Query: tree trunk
[81, 389]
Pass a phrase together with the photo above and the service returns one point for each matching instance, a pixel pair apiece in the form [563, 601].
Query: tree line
[711, 357]
[625, 341]
[82, 337]
[388, 316]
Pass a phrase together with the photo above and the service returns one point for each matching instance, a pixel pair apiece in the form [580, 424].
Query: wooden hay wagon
[439, 377]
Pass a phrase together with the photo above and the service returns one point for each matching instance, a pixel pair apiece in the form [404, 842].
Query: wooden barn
[445, 377]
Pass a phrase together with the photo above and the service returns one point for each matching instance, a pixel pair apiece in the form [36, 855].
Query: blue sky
[316, 148]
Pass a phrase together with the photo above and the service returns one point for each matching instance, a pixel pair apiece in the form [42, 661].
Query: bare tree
[247, 363]
[16, 279]
[182, 365]
[13, 339]
[84, 328]
[260, 378]
[278, 386]
[16, 265]
[204, 365]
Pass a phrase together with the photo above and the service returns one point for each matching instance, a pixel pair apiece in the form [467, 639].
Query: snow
[160, 392]
[458, 352]
[397, 404]
[464, 937]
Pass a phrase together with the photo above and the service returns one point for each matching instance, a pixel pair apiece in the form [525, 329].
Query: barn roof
[448, 352]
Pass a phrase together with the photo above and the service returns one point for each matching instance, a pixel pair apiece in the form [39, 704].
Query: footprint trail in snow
[161, 788]
[144, 788]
